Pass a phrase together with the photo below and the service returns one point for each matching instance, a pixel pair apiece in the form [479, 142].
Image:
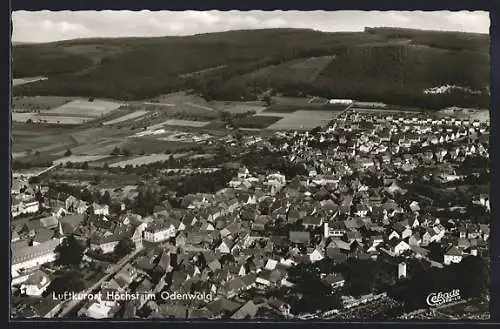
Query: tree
[69, 252]
[124, 247]
[67, 153]
[116, 151]
[68, 282]
[126, 152]
[34, 180]
[106, 198]
[29, 121]
[436, 252]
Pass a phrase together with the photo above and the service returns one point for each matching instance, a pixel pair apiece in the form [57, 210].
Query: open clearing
[84, 108]
[22, 81]
[31, 103]
[303, 70]
[56, 119]
[303, 120]
[201, 72]
[155, 145]
[104, 147]
[238, 107]
[22, 117]
[130, 116]
[80, 159]
[144, 160]
[258, 121]
[185, 123]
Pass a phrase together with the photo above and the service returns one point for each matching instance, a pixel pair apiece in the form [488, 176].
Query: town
[360, 218]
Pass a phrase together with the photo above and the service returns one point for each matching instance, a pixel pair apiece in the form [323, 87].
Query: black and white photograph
[250, 165]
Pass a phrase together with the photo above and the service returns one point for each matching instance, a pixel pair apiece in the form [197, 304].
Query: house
[49, 222]
[311, 222]
[374, 242]
[415, 239]
[21, 207]
[222, 306]
[43, 235]
[14, 236]
[335, 229]
[269, 278]
[316, 255]
[26, 257]
[247, 311]
[334, 280]
[69, 224]
[232, 287]
[398, 247]
[299, 237]
[279, 305]
[159, 232]
[102, 309]
[36, 284]
[225, 247]
[138, 234]
[100, 209]
[453, 255]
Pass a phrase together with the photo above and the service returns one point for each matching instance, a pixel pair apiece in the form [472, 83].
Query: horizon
[239, 30]
[47, 27]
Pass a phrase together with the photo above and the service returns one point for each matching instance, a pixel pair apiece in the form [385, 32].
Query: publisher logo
[441, 298]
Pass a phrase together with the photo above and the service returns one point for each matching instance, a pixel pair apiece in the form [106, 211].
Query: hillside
[379, 64]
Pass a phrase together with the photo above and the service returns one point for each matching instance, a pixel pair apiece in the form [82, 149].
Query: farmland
[303, 120]
[83, 108]
[79, 159]
[301, 70]
[238, 107]
[257, 121]
[291, 108]
[33, 103]
[184, 123]
[144, 160]
[22, 81]
[130, 116]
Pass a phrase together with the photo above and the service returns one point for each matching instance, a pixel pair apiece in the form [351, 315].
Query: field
[293, 104]
[155, 145]
[22, 81]
[144, 160]
[300, 70]
[130, 116]
[56, 119]
[238, 107]
[31, 103]
[303, 120]
[185, 123]
[80, 159]
[83, 108]
[257, 121]
[22, 117]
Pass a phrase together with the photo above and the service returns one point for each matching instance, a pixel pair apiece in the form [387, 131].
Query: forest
[388, 65]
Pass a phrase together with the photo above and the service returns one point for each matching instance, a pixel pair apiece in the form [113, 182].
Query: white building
[25, 258]
[20, 207]
[159, 232]
[402, 270]
[453, 255]
[36, 284]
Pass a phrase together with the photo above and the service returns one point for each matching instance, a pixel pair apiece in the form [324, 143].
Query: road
[200, 106]
[159, 104]
[63, 308]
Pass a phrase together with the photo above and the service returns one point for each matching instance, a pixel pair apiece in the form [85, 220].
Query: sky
[47, 26]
